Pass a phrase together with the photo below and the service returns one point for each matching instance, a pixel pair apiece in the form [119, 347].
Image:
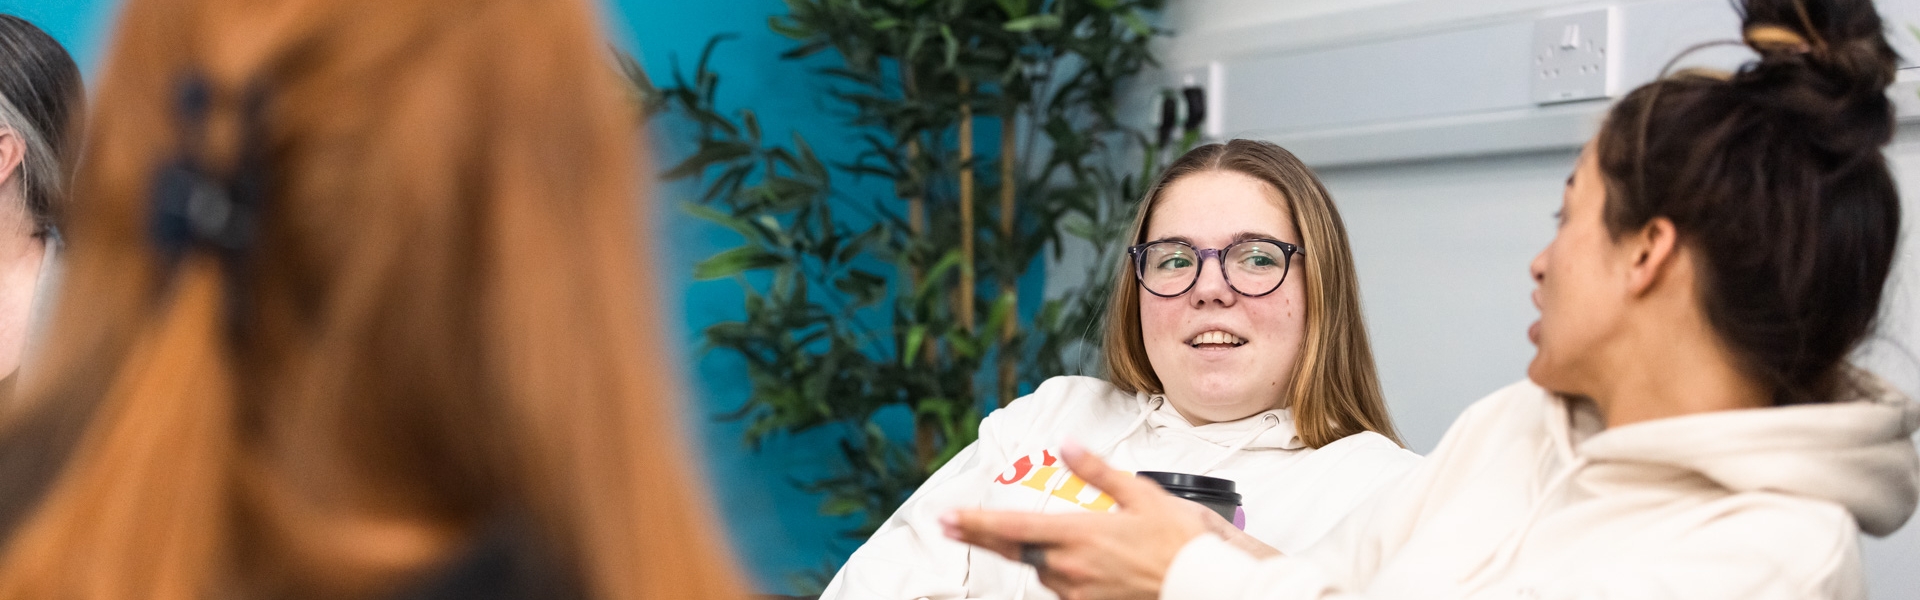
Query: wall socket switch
[1569, 57]
[1209, 79]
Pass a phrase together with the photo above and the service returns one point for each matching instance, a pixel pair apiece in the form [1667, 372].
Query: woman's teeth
[1216, 337]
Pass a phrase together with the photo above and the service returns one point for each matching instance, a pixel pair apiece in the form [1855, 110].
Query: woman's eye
[1258, 260]
[1175, 262]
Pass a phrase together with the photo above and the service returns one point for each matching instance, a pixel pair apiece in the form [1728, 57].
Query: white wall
[1443, 246]
[1442, 250]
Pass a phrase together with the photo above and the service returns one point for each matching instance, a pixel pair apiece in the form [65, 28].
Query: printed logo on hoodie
[1074, 489]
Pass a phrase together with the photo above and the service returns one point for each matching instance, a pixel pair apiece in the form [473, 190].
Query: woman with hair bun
[1690, 427]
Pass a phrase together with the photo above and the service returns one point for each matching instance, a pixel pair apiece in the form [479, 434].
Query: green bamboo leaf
[963, 345]
[1032, 23]
[752, 123]
[865, 288]
[709, 154]
[734, 262]
[841, 506]
[714, 215]
[916, 336]
[1003, 309]
[953, 45]
[706, 55]
[771, 229]
[783, 192]
[1049, 314]
[788, 27]
[859, 244]
[809, 163]
[728, 183]
[1137, 23]
[914, 43]
[939, 272]
[885, 23]
[1015, 8]
[805, 50]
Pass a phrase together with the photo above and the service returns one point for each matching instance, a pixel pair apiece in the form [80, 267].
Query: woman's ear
[13, 151]
[1653, 250]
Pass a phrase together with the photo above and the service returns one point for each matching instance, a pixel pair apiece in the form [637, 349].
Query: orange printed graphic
[1070, 490]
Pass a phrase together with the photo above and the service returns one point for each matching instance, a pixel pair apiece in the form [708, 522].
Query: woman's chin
[1220, 407]
[1541, 372]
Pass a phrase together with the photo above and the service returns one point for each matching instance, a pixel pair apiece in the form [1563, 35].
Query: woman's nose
[1212, 286]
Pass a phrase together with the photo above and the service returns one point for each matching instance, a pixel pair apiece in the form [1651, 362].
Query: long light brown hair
[439, 327]
[1335, 391]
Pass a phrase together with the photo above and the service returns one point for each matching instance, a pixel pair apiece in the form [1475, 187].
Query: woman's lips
[1216, 339]
[1533, 331]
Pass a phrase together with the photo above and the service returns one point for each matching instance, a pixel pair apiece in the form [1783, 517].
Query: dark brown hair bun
[1825, 61]
[1775, 179]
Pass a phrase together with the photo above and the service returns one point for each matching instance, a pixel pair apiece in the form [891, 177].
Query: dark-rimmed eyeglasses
[1253, 267]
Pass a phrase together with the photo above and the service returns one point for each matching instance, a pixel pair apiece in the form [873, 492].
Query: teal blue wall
[776, 529]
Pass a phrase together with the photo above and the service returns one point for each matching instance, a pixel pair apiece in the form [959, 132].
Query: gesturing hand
[1119, 554]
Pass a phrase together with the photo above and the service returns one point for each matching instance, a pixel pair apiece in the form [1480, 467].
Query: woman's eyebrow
[1237, 237]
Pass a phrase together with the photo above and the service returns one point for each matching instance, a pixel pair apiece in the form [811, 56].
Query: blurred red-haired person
[354, 309]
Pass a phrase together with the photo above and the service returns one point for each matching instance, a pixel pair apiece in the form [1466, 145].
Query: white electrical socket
[1569, 57]
[1208, 77]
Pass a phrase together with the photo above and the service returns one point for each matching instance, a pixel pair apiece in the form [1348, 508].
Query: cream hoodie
[1291, 494]
[1528, 497]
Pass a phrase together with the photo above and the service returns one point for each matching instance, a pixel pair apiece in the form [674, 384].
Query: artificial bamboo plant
[855, 305]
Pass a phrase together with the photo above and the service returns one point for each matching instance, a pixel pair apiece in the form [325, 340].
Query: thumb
[1126, 489]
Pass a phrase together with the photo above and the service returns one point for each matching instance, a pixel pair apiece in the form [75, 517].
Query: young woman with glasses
[1690, 426]
[1234, 350]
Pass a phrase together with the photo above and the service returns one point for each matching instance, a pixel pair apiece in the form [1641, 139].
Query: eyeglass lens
[1253, 267]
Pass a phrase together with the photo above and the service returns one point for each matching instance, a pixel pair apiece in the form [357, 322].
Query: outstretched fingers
[1004, 532]
[1127, 489]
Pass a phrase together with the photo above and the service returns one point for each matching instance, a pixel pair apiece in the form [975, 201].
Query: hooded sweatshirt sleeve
[1335, 568]
[1659, 534]
[910, 557]
[1340, 564]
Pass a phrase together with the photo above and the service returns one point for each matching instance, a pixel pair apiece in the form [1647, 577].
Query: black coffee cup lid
[1195, 482]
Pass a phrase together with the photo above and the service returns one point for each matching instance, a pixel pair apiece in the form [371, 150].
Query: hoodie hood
[1267, 429]
[1857, 452]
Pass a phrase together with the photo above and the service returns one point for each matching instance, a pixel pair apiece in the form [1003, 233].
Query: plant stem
[966, 207]
[925, 431]
[1009, 285]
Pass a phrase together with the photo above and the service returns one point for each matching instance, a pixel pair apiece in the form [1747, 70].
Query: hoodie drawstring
[1146, 410]
[1268, 422]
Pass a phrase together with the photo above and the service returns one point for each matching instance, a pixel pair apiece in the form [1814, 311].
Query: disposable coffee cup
[1212, 492]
